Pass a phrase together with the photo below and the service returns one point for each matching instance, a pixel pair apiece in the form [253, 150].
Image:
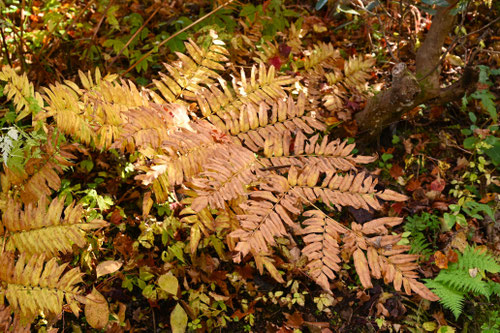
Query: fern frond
[262, 86]
[474, 258]
[321, 56]
[225, 177]
[451, 298]
[322, 250]
[255, 125]
[22, 92]
[40, 175]
[33, 286]
[11, 323]
[265, 214]
[326, 155]
[355, 190]
[182, 156]
[187, 75]
[42, 230]
[95, 113]
[356, 72]
[146, 128]
[463, 281]
[384, 258]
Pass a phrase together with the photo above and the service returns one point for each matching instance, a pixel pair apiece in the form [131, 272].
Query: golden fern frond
[190, 72]
[321, 56]
[282, 151]
[33, 286]
[356, 72]
[182, 156]
[94, 113]
[146, 128]
[321, 236]
[42, 230]
[224, 177]
[266, 51]
[11, 323]
[21, 91]
[255, 125]
[200, 223]
[262, 86]
[384, 257]
[40, 175]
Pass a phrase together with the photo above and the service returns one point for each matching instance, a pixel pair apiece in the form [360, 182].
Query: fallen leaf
[440, 260]
[178, 319]
[96, 310]
[396, 171]
[413, 185]
[459, 242]
[108, 267]
[438, 185]
[168, 283]
[452, 256]
[294, 320]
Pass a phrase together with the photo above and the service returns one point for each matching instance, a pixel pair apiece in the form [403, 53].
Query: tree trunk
[409, 90]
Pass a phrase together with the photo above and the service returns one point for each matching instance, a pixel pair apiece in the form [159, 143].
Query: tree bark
[410, 90]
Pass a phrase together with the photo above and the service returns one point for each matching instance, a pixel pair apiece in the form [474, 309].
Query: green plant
[467, 275]
[421, 228]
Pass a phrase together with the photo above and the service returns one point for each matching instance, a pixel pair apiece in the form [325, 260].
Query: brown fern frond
[321, 237]
[265, 216]
[182, 156]
[281, 151]
[225, 177]
[42, 230]
[10, 322]
[33, 286]
[262, 86]
[255, 125]
[21, 91]
[384, 257]
[355, 190]
[187, 75]
[40, 175]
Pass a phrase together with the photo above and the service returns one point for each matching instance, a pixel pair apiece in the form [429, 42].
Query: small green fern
[464, 276]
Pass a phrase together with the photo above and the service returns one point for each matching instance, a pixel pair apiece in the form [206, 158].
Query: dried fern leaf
[321, 236]
[40, 175]
[22, 92]
[146, 128]
[10, 322]
[32, 286]
[318, 58]
[185, 77]
[225, 177]
[356, 72]
[182, 156]
[255, 125]
[384, 258]
[327, 156]
[264, 218]
[42, 230]
[355, 190]
[262, 86]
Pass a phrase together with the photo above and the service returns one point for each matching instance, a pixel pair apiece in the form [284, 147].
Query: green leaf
[320, 4]
[178, 319]
[168, 283]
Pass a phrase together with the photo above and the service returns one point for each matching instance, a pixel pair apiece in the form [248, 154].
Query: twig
[178, 33]
[102, 19]
[133, 37]
[4, 42]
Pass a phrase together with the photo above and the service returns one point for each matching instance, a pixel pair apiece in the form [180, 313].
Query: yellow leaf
[96, 310]
[108, 267]
[178, 319]
[168, 283]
